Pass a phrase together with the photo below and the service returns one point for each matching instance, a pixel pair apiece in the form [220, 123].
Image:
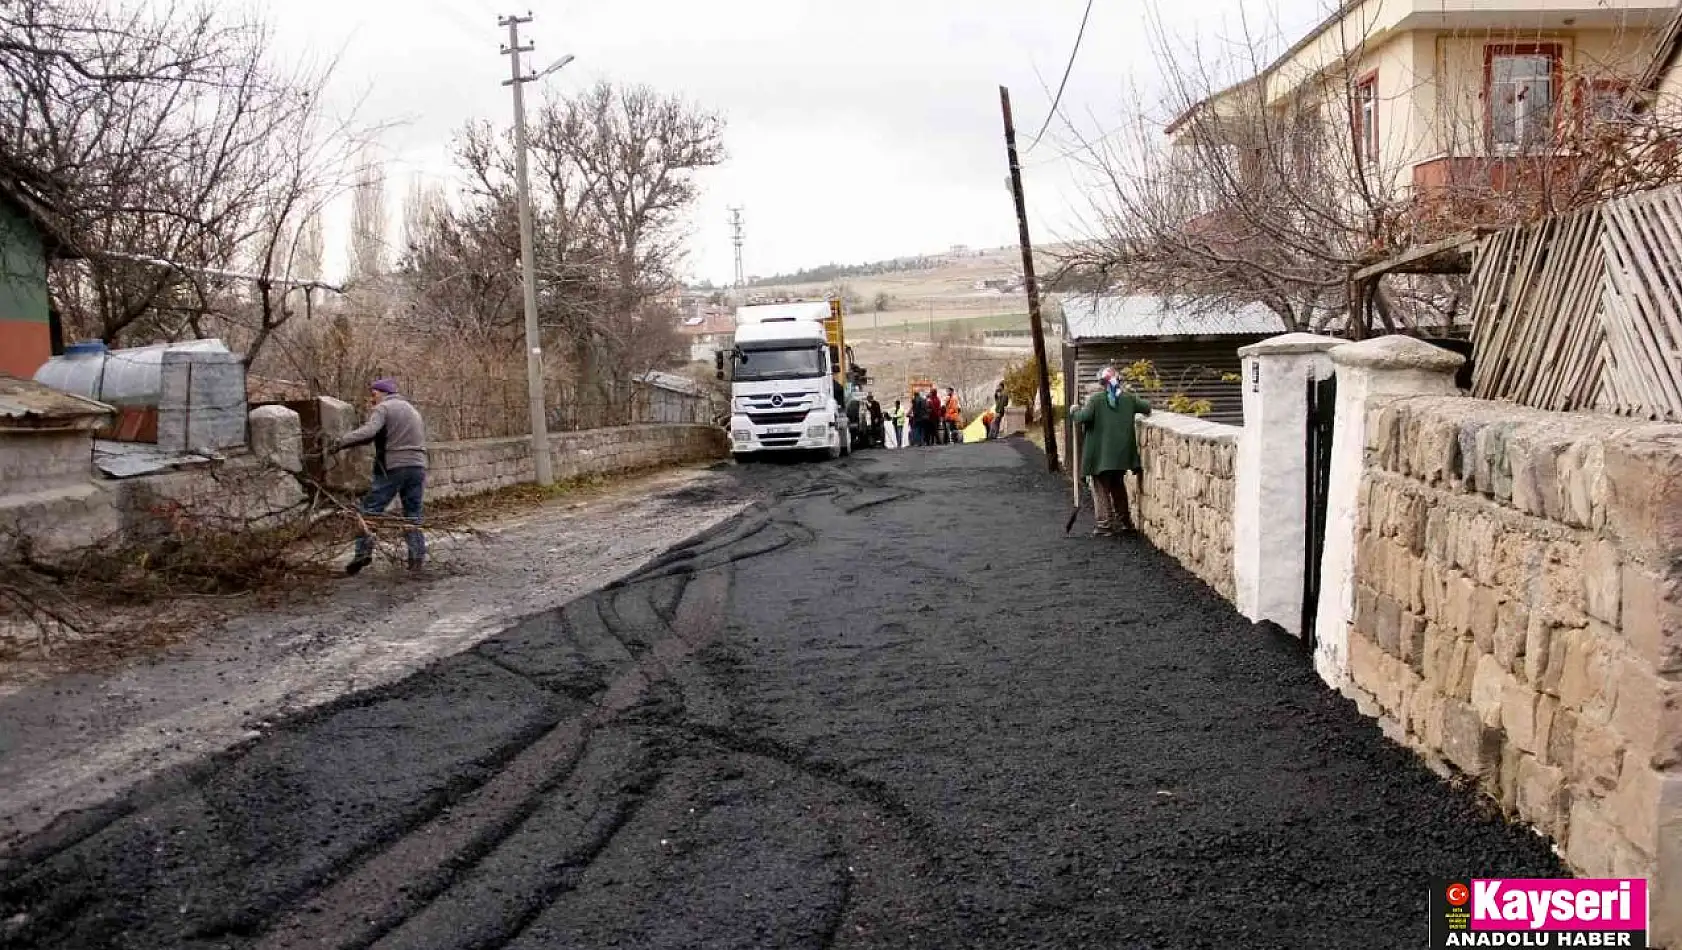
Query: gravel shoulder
[71, 740]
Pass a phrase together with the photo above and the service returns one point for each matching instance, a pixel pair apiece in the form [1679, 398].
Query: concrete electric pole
[541, 461]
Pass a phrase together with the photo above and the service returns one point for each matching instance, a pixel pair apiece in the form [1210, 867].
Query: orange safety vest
[952, 408]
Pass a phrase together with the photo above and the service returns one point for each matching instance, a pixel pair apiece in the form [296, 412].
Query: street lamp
[555, 67]
[541, 462]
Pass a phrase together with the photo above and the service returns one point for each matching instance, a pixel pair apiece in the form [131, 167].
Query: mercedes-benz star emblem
[777, 400]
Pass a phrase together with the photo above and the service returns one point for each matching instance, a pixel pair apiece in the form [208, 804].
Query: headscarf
[1111, 381]
[386, 385]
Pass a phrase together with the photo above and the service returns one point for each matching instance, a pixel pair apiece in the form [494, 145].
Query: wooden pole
[1033, 286]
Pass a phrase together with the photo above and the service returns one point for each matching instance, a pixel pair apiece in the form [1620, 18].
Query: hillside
[940, 300]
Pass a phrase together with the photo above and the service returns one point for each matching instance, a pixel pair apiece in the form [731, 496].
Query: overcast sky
[856, 129]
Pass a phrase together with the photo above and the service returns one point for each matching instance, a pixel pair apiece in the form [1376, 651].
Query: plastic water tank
[129, 377]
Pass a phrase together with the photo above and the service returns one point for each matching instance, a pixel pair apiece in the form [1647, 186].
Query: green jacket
[1109, 441]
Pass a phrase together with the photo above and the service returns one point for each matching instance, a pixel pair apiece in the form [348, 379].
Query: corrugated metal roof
[1091, 317]
[25, 403]
[671, 382]
[128, 459]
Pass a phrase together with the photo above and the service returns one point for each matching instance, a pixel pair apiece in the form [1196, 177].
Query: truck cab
[786, 381]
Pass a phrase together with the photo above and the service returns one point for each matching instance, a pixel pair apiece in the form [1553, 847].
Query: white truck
[791, 380]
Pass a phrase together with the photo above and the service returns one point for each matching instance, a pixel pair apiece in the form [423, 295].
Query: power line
[1056, 100]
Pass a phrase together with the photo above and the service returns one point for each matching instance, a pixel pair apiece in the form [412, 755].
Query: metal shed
[1191, 351]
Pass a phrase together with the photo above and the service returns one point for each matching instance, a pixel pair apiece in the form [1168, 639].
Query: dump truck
[794, 386]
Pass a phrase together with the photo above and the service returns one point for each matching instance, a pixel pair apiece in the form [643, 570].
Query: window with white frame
[1521, 96]
[1365, 114]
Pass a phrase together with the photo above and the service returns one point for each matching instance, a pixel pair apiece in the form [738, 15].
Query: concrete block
[201, 403]
[277, 437]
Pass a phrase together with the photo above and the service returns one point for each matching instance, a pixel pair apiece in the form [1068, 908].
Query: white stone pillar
[1367, 372]
[1269, 511]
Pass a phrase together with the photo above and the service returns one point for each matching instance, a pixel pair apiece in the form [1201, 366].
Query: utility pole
[528, 264]
[1033, 286]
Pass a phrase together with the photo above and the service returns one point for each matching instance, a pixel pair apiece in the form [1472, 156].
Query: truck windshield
[756, 364]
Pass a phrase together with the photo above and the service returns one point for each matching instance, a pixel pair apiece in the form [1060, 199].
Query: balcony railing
[1453, 193]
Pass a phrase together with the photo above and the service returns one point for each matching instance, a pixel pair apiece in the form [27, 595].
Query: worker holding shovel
[1109, 450]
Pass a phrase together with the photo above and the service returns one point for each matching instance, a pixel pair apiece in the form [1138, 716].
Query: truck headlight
[817, 432]
[742, 435]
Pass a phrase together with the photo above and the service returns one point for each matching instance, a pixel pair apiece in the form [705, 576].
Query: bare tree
[176, 155]
[370, 224]
[635, 152]
[312, 249]
[1274, 189]
[612, 175]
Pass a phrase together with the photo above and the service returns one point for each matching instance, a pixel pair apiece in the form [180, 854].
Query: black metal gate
[1317, 452]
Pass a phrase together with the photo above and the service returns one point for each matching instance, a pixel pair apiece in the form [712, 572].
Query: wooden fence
[1582, 311]
[1642, 307]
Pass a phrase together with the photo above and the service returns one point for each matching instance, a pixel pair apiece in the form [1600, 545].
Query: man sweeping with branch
[399, 436]
[1109, 450]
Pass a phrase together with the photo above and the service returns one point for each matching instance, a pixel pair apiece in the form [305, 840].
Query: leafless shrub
[176, 153]
[1274, 189]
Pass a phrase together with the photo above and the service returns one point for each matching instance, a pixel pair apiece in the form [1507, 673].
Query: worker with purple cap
[399, 436]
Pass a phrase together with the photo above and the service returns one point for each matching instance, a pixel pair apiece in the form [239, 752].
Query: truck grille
[778, 418]
[790, 402]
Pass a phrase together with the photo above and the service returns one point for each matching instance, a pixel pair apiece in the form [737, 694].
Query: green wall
[23, 268]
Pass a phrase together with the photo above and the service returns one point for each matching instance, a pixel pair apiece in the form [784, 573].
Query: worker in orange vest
[953, 412]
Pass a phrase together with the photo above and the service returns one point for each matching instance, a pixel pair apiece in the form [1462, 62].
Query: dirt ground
[69, 740]
[889, 705]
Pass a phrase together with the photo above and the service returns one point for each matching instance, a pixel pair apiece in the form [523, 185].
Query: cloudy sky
[856, 130]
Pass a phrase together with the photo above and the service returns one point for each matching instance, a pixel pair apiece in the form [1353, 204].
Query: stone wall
[1518, 619]
[49, 505]
[1185, 504]
[480, 465]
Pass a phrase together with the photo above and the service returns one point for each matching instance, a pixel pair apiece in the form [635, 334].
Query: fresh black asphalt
[891, 706]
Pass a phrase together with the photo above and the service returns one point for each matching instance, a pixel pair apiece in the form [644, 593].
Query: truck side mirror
[718, 362]
[834, 358]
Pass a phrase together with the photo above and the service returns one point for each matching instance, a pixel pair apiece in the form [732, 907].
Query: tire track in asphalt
[619, 649]
[394, 884]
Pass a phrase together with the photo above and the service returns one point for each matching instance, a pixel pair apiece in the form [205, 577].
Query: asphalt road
[894, 706]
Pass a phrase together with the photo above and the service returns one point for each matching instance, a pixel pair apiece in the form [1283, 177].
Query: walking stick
[1074, 475]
